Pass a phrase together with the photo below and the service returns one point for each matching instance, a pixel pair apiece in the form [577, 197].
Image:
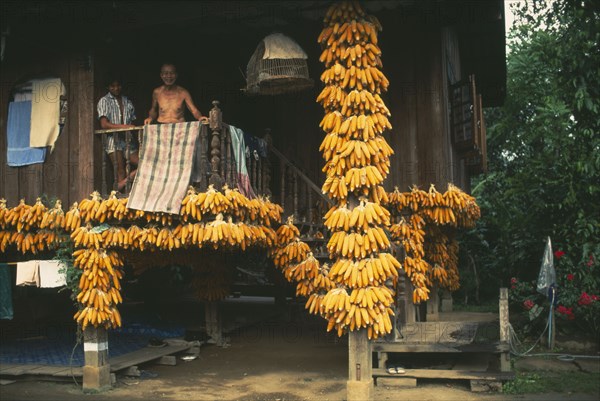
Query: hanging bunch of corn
[442, 252]
[99, 286]
[408, 231]
[228, 202]
[30, 228]
[298, 263]
[211, 278]
[357, 162]
[426, 225]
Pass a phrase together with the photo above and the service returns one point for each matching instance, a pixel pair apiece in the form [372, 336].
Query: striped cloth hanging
[165, 166]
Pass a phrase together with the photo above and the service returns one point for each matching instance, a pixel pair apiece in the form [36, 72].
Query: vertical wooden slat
[311, 217]
[282, 172]
[204, 163]
[224, 159]
[402, 97]
[254, 172]
[258, 184]
[103, 167]
[127, 163]
[216, 125]
[268, 170]
[430, 119]
[296, 195]
[81, 114]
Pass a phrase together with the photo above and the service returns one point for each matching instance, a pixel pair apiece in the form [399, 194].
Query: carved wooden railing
[129, 132]
[215, 164]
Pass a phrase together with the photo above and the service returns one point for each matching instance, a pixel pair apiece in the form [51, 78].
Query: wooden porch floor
[117, 364]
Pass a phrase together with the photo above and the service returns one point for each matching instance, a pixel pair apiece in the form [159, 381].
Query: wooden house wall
[415, 59]
[66, 173]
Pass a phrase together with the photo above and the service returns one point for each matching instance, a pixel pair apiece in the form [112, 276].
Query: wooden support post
[382, 358]
[447, 303]
[360, 367]
[433, 313]
[204, 167]
[224, 166]
[213, 322]
[504, 329]
[405, 313]
[96, 372]
[216, 125]
[104, 187]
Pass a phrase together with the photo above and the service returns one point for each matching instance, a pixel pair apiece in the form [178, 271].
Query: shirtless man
[168, 100]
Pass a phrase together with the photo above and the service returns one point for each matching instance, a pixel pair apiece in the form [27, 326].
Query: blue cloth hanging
[18, 128]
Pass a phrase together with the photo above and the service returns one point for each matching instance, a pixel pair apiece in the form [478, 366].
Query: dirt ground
[275, 359]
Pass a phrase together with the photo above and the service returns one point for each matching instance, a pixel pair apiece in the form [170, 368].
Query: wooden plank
[440, 347]
[15, 370]
[143, 355]
[447, 374]
[400, 347]
[6, 366]
[69, 372]
[45, 369]
[40, 370]
[438, 332]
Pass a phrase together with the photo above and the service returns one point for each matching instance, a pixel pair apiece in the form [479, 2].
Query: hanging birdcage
[277, 66]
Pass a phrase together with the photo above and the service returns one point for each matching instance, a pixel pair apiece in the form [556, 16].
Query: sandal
[396, 370]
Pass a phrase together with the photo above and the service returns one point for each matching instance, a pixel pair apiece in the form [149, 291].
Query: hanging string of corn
[101, 229]
[298, 264]
[357, 162]
[31, 228]
[424, 225]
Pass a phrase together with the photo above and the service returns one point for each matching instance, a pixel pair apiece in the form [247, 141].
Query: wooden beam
[504, 329]
[447, 374]
[360, 367]
[96, 371]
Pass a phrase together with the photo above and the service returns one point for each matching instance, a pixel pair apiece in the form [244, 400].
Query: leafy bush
[577, 300]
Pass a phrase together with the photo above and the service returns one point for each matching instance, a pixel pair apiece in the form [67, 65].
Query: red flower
[558, 254]
[513, 280]
[567, 312]
[586, 299]
[528, 304]
[570, 277]
[590, 262]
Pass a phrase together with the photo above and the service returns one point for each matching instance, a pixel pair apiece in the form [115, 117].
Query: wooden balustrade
[105, 158]
[215, 164]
